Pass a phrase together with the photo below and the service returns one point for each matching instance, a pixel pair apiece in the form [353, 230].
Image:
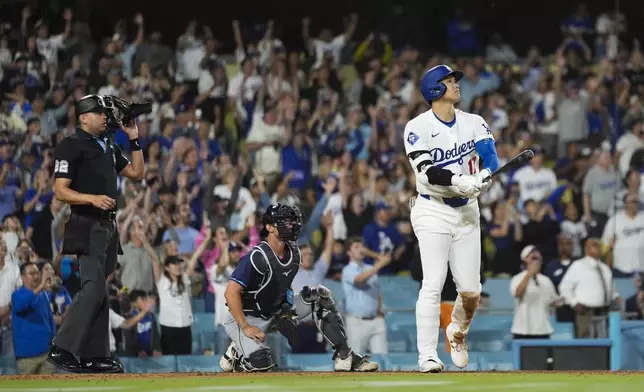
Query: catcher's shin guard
[327, 318]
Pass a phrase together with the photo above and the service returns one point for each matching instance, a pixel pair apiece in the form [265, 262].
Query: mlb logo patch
[412, 138]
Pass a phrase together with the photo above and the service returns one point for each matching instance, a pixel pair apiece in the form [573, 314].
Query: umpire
[86, 167]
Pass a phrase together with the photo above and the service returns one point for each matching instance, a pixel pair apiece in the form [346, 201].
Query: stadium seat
[164, 364]
[7, 365]
[198, 305]
[196, 344]
[489, 340]
[402, 362]
[203, 322]
[208, 340]
[397, 341]
[309, 362]
[197, 363]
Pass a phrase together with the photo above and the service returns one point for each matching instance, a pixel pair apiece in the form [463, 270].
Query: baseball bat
[521, 158]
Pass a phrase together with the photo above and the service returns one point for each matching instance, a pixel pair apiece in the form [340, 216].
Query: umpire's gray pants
[246, 345]
[85, 328]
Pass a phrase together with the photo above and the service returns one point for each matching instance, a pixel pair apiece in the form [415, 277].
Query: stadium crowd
[320, 128]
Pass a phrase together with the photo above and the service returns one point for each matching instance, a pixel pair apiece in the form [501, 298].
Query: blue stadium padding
[500, 360]
[309, 362]
[164, 364]
[517, 344]
[563, 331]
[199, 305]
[197, 363]
[397, 342]
[8, 365]
[615, 335]
[632, 345]
[402, 362]
[208, 340]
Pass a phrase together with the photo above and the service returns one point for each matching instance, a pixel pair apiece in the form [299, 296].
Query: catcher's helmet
[287, 220]
[91, 103]
[431, 86]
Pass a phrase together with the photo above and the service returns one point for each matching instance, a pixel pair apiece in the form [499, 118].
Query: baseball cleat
[456, 338]
[355, 363]
[228, 361]
[432, 365]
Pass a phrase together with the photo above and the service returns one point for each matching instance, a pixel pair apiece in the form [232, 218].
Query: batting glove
[469, 186]
[485, 178]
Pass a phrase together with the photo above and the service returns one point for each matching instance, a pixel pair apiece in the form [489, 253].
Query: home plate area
[319, 381]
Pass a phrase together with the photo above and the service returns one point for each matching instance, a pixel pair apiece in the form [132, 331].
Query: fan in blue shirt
[382, 236]
[32, 320]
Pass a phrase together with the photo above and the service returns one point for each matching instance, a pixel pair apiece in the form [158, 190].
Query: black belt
[97, 214]
[450, 201]
[364, 318]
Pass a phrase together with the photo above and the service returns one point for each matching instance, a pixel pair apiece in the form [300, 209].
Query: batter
[444, 146]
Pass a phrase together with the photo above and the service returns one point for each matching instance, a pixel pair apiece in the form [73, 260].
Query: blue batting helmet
[431, 86]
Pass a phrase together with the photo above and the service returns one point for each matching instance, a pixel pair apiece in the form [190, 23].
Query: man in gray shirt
[600, 186]
[136, 261]
[572, 106]
[308, 339]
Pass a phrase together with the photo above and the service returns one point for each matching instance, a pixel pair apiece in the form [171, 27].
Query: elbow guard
[422, 164]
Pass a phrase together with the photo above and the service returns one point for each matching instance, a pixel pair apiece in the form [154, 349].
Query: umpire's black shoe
[64, 360]
[101, 365]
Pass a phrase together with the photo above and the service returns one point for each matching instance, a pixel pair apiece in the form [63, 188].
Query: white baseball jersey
[535, 185]
[450, 146]
[628, 254]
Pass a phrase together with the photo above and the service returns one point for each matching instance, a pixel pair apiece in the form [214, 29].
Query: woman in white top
[533, 294]
[175, 308]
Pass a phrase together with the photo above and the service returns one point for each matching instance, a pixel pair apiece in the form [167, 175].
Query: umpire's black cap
[90, 103]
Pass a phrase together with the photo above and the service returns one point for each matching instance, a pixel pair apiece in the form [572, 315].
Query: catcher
[261, 301]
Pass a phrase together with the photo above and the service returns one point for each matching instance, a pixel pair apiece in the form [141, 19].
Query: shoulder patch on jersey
[412, 138]
[487, 129]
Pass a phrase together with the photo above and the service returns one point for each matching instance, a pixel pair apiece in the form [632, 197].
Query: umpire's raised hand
[254, 333]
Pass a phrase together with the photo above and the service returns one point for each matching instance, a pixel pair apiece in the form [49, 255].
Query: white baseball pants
[445, 234]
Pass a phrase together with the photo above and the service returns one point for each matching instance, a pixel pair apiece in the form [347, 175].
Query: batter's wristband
[135, 145]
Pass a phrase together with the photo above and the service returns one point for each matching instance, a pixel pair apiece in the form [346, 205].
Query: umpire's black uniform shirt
[92, 164]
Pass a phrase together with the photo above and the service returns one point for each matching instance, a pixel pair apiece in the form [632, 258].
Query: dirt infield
[148, 376]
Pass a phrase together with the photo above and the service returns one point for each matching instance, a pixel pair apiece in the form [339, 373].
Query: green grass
[309, 382]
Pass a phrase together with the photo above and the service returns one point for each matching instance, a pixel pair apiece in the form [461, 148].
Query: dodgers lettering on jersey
[451, 146]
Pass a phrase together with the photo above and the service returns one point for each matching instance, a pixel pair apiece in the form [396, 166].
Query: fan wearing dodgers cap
[445, 147]
[533, 294]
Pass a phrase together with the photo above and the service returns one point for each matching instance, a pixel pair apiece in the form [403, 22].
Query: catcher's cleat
[230, 360]
[355, 363]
